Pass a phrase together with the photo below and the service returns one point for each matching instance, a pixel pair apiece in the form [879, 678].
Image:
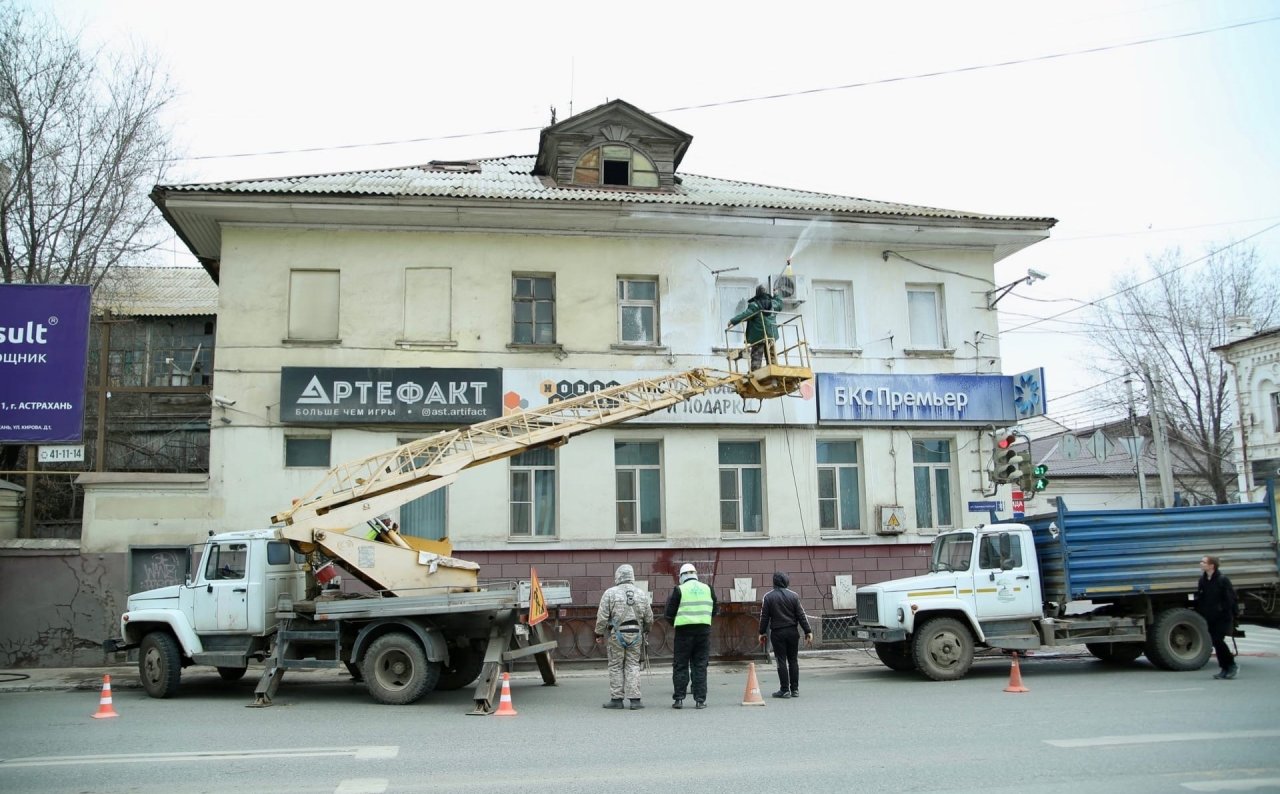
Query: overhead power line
[784, 95]
[1156, 277]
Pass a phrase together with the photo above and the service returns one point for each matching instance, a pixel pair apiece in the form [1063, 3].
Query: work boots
[678, 703]
[636, 705]
[615, 703]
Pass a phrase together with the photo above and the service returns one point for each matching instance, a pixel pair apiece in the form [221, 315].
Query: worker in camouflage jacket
[622, 621]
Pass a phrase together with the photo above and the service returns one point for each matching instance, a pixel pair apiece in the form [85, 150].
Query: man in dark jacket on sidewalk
[1216, 602]
[781, 619]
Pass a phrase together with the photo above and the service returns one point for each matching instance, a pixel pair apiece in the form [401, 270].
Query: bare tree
[81, 144]
[1168, 321]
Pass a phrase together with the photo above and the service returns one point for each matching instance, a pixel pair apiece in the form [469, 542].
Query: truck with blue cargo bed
[1120, 582]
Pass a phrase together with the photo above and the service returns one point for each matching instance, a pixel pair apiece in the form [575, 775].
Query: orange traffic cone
[505, 708]
[105, 710]
[1015, 677]
[751, 697]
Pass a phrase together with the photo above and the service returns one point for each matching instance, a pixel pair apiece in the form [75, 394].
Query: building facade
[361, 310]
[1254, 357]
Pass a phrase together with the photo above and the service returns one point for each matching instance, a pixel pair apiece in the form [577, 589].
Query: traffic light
[1033, 479]
[1005, 458]
[1040, 477]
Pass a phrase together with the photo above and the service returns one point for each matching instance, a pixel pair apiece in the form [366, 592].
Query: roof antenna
[570, 86]
[715, 272]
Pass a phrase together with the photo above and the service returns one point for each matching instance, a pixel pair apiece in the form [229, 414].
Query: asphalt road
[1082, 727]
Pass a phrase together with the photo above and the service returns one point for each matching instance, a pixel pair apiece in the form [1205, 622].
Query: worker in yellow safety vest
[690, 608]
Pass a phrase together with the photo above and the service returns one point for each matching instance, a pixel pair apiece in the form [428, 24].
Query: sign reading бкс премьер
[968, 399]
[388, 395]
[44, 341]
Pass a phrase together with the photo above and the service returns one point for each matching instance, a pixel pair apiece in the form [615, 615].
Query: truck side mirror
[1006, 551]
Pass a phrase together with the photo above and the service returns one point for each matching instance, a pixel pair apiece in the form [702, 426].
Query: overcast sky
[1166, 134]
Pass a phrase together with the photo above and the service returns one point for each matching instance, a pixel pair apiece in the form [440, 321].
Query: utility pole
[1136, 447]
[1164, 465]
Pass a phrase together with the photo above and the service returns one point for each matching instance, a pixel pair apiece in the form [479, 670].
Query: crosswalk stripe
[371, 753]
[363, 785]
[1159, 738]
[1246, 784]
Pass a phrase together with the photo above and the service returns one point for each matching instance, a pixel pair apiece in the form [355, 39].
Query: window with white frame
[533, 310]
[638, 474]
[839, 486]
[741, 487]
[931, 461]
[533, 494]
[306, 452]
[428, 304]
[833, 316]
[427, 516]
[313, 305]
[638, 311]
[731, 297]
[924, 312]
[1275, 411]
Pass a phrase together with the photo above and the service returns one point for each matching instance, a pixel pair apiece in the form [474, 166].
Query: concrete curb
[71, 679]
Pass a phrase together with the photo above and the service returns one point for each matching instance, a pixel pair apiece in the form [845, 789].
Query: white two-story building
[361, 310]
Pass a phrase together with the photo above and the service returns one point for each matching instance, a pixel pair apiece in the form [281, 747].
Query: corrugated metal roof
[157, 292]
[1119, 462]
[512, 178]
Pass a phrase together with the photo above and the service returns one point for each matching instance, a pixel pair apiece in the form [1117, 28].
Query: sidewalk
[53, 679]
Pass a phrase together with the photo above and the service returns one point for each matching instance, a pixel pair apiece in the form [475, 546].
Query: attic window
[615, 164]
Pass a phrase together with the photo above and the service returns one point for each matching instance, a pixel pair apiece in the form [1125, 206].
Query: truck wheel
[396, 670]
[943, 649]
[464, 666]
[1115, 652]
[159, 664]
[896, 656]
[1179, 640]
[231, 674]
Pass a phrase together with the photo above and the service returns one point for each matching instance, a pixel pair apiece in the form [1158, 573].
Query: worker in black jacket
[781, 619]
[1216, 602]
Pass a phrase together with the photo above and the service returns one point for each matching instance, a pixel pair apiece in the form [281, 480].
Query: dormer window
[615, 164]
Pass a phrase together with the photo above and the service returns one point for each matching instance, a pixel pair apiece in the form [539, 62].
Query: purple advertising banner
[44, 339]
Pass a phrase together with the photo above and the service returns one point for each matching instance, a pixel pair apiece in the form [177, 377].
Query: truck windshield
[952, 552]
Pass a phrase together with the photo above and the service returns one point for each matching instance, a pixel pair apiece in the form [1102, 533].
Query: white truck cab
[224, 613]
[983, 587]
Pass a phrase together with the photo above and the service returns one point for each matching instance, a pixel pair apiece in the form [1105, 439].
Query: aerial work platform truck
[426, 621]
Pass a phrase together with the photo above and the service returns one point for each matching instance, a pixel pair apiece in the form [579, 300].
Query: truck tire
[396, 670]
[943, 649]
[1179, 640]
[159, 664]
[1115, 652]
[231, 674]
[896, 656]
[464, 666]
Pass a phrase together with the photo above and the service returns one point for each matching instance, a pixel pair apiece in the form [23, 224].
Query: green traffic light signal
[1041, 475]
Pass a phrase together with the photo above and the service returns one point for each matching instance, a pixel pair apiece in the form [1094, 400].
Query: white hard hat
[687, 568]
